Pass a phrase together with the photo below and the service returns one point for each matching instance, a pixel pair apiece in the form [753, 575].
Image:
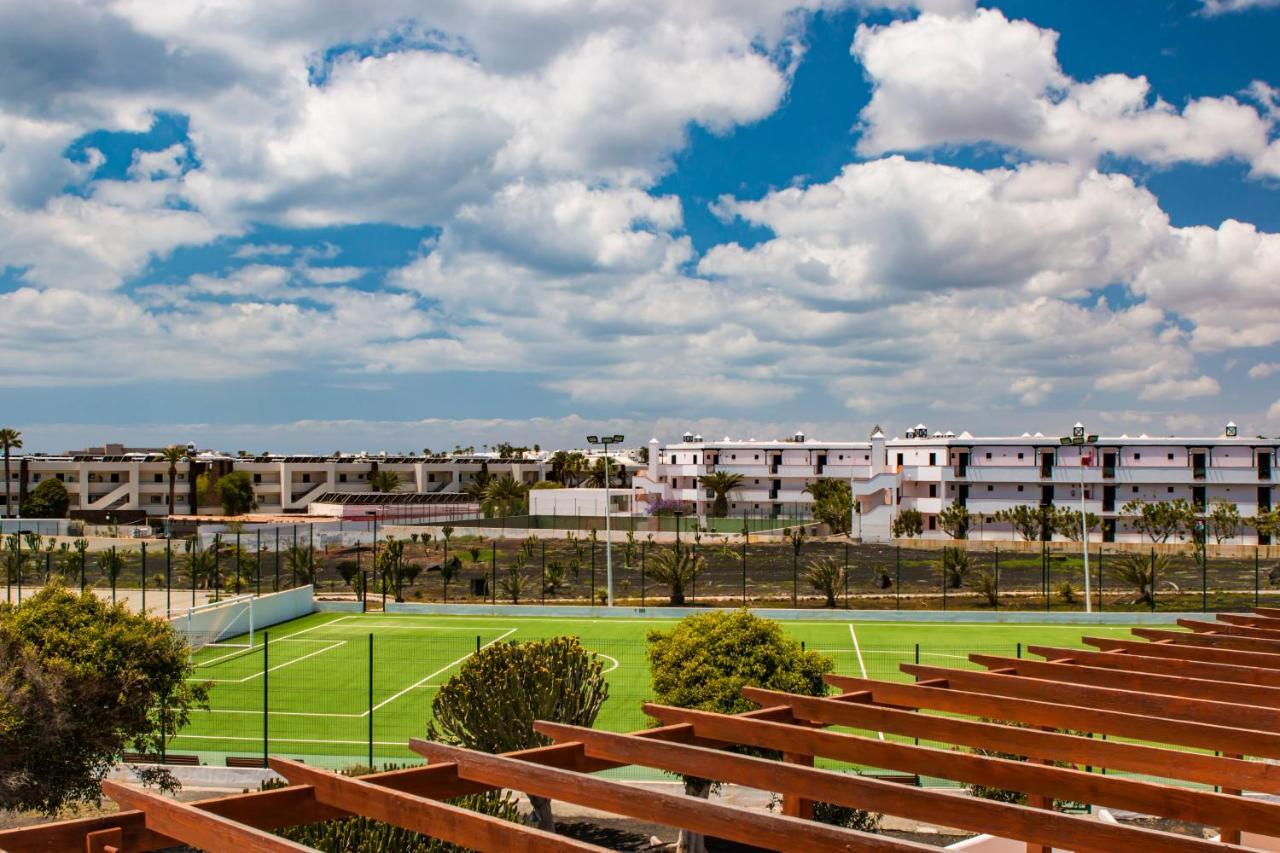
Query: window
[1170, 457]
[159, 478]
[1019, 488]
[155, 499]
[306, 478]
[991, 488]
[933, 522]
[1171, 490]
[257, 478]
[35, 478]
[115, 478]
[1135, 490]
[899, 458]
[1137, 456]
[342, 478]
[933, 459]
[62, 478]
[988, 454]
[933, 490]
[1019, 455]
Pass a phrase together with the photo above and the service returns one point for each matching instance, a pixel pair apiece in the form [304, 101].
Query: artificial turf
[321, 675]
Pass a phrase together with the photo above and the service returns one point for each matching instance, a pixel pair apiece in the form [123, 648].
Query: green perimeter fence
[343, 699]
[170, 576]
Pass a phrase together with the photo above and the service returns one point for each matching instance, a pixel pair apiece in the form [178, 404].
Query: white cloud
[1273, 413]
[1263, 369]
[1219, 7]
[942, 80]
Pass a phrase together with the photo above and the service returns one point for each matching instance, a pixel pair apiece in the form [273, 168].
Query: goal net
[225, 624]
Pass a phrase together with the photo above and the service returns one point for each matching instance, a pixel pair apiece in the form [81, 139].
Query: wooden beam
[1133, 662]
[707, 817]
[426, 816]
[1210, 641]
[193, 826]
[1001, 819]
[70, 834]
[1201, 626]
[1002, 773]
[1034, 743]
[1072, 717]
[1169, 685]
[1088, 696]
[105, 841]
[1167, 650]
[1250, 619]
[1269, 612]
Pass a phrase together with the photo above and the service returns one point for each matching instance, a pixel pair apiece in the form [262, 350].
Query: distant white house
[583, 502]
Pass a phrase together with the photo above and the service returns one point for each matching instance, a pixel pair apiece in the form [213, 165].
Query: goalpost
[225, 624]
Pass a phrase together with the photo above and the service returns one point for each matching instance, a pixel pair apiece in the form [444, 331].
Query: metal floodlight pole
[1080, 439]
[608, 518]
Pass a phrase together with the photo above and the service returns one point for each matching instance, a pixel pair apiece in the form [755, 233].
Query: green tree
[504, 496]
[80, 682]
[493, 701]
[675, 568]
[1029, 522]
[955, 566]
[908, 523]
[446, 532]
[827, 576]
[10, 439]
[384, 481]
[1160, 520]
[954, 520]
[172, 455]
[705, 661]
[234, 492]
[1066, 522]
[449, 570]
[720, 484]
[832, 504]
[301, 561]
[1224, 520]
[47, 500]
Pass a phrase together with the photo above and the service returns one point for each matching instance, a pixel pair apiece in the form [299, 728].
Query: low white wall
[268, 610]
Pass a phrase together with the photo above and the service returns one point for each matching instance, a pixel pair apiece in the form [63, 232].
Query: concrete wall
[268, 610]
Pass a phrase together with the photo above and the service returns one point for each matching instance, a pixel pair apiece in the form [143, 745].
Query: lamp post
[607, 440]
[373, 513]
[1080, 439]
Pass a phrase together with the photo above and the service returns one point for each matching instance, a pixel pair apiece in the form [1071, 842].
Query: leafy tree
[199, 563]
[705, 660]
[954, 520]
[720, 484]
[955, 566]
[675, 568]
[384, 481]
[1267, 523]
[1224, 520]
[301, 561]
[504, 496]
[832, 504]
[349, 571]
[446, 532]
[827, 576]
[172, 455]
[908, 523]
[1066, 522]
[47, 500]
[10, 439]
[987, 585]
[493, 701]
[81, 681]
[1030, 522]
[449, 570]
[234, 492]
[1142, 572]
[1161, 519]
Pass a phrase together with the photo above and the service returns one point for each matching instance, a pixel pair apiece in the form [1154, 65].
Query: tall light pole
[607, 440]
[1079, 439]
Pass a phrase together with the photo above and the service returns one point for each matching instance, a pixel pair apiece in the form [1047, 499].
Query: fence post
[1019, 650]
[493, 574]
[593, 572]
[1256, 576]
[266, 713]
[142, 573]
[168, 576]
[1153, 578]
[84, 558]
[644, 551]
[1204, 578]
[371, 700]
[544, 567]
[897, 569]
[115, 570]
[239, 561]
[943, 571]
[217, 547]
[997, 578]
[276, 587]
[258, 565]
[1101, 601]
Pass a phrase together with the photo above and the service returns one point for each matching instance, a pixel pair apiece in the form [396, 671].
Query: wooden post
[104, 841]
[793, 806]
[1228, 835]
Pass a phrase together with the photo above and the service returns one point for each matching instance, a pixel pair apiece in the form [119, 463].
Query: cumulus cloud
[1219, 7]
[941, 80]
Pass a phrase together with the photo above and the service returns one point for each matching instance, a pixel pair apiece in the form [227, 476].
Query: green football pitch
[337, 687]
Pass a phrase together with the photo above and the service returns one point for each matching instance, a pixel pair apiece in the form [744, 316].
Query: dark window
[899, 458]
[159, 478]
[933, 459]
[933, 490]
[1019, 455]
[1171, 490]
[1171, 457]
[988, 454]
[257, 478]
[115, 478]
[991, 488]
[1137, 456]
[933, 522]
[342, 478]
[1019, 488]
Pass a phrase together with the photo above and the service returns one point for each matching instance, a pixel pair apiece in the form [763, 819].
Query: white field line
[258, 674]
[364, 713]
[862, 666]
[608, 657]
[393, 626]
[439, 671]
[258, 740]
[239, 650]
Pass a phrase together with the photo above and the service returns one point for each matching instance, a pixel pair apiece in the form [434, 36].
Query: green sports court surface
[334, 683]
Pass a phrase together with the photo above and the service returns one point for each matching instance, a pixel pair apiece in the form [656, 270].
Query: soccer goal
[225, 624]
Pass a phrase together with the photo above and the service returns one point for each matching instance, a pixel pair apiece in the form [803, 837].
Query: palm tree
[477, 487]
[676, 569]
[720, 483]
[596, 475]
[504, 496]
[384, 481]
[568, 467]
[10, 439]
[827, 576]
[1143, 573]
[173, 454]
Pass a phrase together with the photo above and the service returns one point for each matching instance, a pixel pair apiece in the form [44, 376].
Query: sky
[309, 225]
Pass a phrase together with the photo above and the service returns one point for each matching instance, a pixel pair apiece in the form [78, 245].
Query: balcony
[794, 470]
[746, 469]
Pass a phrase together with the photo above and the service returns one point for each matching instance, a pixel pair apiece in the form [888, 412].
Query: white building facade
[929, 471]
[135, 486]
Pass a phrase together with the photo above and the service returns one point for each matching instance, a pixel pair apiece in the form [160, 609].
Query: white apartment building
[927, 471]
[133, 486]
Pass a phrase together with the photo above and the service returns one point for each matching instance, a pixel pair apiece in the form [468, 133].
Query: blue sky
[449, 222]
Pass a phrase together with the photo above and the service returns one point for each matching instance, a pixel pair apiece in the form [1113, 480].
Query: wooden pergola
[1196, 714]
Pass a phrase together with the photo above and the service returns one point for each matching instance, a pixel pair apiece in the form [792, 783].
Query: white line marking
[258, 739]
[862, 666]
[258, 674]
[608, 657]
[442, 669]
[240, 650]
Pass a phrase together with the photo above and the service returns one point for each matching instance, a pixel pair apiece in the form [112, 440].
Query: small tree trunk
[541, 816]
[694, 842]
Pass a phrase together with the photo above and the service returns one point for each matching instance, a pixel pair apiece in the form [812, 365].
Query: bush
[47, 500]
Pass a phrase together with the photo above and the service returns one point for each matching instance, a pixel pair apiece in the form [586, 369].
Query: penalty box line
[367, 711]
